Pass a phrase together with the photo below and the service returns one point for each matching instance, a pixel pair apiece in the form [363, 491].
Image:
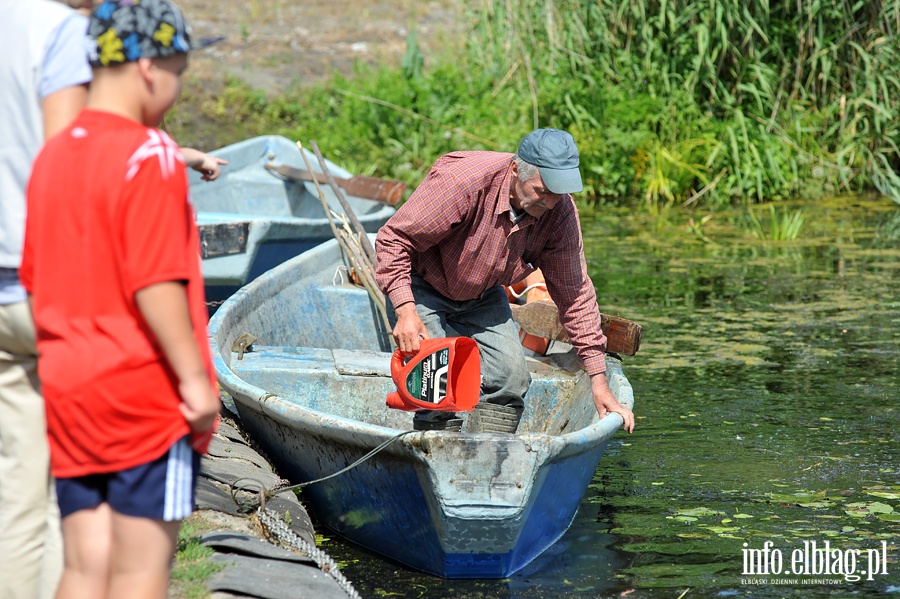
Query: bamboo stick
[360, 262]
[321, 195]
[357, 226]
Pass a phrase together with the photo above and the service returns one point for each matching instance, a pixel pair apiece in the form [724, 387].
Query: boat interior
[323, 346]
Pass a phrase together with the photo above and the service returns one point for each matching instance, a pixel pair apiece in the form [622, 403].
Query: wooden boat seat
[354, 384]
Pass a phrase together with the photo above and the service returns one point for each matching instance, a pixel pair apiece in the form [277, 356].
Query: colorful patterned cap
[123, 31]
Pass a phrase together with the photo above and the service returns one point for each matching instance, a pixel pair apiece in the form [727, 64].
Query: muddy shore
[272, 45]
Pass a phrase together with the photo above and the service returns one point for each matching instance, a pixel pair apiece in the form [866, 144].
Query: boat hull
[456, 505]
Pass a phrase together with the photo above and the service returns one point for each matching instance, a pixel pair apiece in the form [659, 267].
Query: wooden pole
[364, 267]
[321, 195]
[351, 216]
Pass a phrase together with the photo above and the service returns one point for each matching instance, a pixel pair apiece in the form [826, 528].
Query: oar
[388, 191]
[541, 318]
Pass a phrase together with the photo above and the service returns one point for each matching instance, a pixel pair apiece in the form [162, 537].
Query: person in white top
[44, 76]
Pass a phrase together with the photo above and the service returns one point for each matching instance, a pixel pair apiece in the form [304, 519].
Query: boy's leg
[141, 557]
[52, 566]
[87, 535]
[24, 461]
[135, 514]
[148, 504]
[111, 555]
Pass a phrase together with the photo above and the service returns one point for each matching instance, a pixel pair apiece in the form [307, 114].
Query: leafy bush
[703, 102]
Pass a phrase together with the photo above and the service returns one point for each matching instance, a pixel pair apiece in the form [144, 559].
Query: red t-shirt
[108, 215]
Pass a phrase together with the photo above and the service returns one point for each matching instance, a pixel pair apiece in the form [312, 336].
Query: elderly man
[481, 220]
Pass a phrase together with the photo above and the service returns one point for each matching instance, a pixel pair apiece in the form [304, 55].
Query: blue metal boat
[270, 218]
[311, 391]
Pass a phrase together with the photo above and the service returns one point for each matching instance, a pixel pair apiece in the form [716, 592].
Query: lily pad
[861, 509]
[719, 530]
[685, 518]
[803, 499]
[795, 498]
[698, 512]
[815, 504]
[884, 494]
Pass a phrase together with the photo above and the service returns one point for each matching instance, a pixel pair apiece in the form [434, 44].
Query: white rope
[527, 289]
[338, 278]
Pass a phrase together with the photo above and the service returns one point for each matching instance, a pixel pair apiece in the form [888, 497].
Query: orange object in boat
[536, 290]
[538, 345]
[445, 376]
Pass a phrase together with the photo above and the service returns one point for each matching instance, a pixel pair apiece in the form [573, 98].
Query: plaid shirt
[456, 231]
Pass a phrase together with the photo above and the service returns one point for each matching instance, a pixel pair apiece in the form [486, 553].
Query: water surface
[765, 394]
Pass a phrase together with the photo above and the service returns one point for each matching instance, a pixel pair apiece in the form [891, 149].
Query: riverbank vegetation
[710, 103]
[193, 563]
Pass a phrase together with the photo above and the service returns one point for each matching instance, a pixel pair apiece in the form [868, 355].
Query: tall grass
[795, 89]
[672, 102]
[785, 226]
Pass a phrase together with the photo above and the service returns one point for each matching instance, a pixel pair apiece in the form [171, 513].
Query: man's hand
[606, 402]
[409, 329]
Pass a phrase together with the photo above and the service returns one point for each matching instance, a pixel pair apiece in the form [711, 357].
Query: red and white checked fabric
[457, 233]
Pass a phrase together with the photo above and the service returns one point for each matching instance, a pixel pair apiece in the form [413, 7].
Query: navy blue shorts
[161, 490]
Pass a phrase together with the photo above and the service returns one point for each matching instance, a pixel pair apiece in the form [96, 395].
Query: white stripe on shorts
[179, 479]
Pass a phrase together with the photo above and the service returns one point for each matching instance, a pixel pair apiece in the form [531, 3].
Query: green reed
[790, 87]
[782, 225]
[697, 103]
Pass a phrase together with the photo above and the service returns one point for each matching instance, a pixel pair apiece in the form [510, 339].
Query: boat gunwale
[351, 430]
[269, 143]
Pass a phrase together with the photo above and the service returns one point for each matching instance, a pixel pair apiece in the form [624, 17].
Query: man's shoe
[493, 418]
[452, 425]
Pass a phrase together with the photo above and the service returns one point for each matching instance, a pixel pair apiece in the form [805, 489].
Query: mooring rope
[269, 493]
[278, 529]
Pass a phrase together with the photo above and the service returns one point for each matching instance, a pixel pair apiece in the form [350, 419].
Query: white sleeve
[66, 59]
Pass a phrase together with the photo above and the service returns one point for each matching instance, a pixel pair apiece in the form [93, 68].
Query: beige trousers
[30, 535]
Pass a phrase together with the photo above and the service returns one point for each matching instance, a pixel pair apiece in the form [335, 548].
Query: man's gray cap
[555, 154]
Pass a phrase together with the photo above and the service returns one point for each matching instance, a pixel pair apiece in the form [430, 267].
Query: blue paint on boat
[285, 218]
[458, 505]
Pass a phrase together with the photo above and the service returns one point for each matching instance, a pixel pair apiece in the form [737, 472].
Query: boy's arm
[208, 166]
[165, 308]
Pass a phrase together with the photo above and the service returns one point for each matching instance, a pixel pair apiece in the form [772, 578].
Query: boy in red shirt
[112, 265]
